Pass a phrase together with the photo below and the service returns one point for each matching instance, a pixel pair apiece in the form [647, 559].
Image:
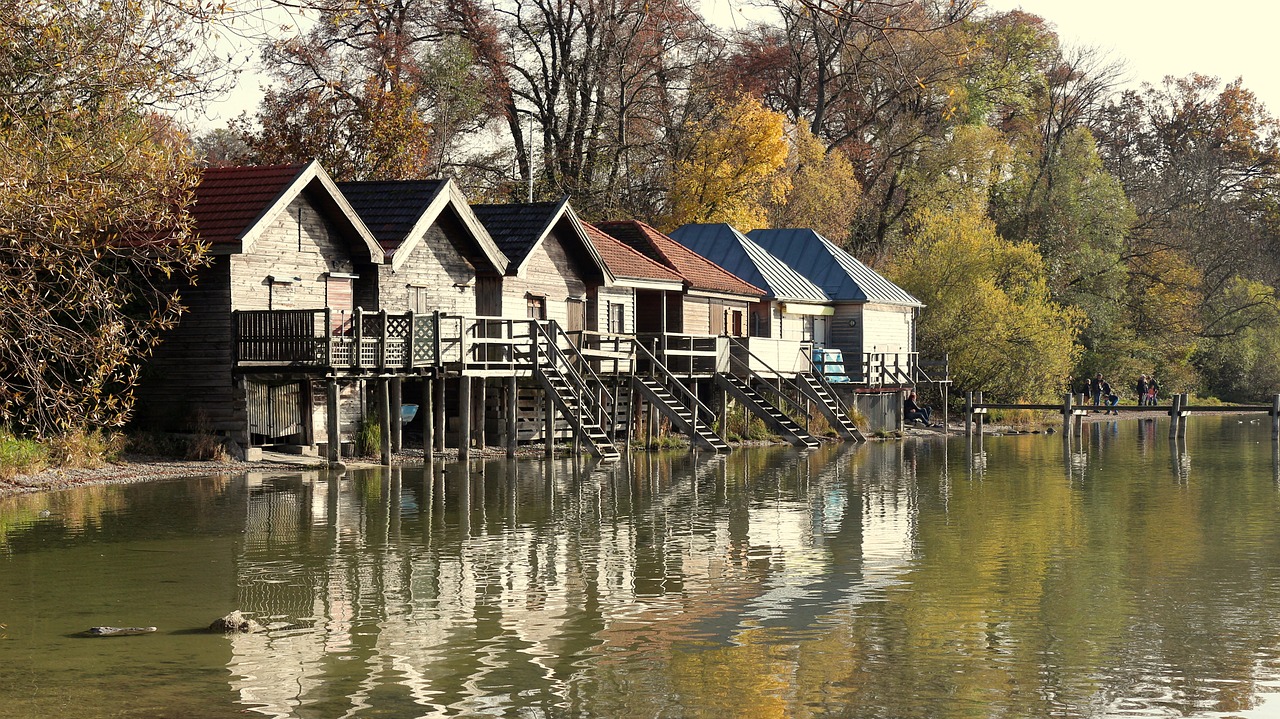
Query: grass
[369, 437]
[21, 456]
[74, 449]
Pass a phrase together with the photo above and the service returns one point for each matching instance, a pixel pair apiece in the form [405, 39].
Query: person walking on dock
[1095, 390]
[1153, 391]
[1140, 391]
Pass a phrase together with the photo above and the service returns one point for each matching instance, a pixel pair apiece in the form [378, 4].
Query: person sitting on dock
[1109, 399]
[913, 412]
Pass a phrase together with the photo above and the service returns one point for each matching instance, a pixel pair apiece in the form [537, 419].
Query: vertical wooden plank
[1182, 420]
[1175, 415]
[549, 426]
[1067, 415]
[1275, 417]
[968, 414]
[481, 387]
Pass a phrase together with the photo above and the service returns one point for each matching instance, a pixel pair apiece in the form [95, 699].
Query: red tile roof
[623, 261]
[230, 199]
[701, 273]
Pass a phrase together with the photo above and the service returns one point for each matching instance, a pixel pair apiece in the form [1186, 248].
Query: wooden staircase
[680, 415]
[576, 397]
[775, 418]
[816, 388]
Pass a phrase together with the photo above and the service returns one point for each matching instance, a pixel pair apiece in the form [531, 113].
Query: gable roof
[829, 266]
[519, 228]
[730, 249]
[624, 261]
[233, 205]
[399, 213]
[700, 273]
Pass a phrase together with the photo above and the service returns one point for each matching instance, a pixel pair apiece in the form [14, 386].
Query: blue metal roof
[733, 251]
[847, 279]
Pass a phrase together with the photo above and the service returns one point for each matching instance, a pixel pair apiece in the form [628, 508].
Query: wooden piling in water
[464, 417]
[1183, 414]
[1275, 417]
[384, 419]
[968, 414]
[1068, 416]
[1175, 415]
[428, 421]
[513, 388]
[397, 421]
[334, 426]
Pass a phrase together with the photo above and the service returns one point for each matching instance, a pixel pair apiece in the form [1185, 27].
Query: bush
[21, 456]
[368, 437]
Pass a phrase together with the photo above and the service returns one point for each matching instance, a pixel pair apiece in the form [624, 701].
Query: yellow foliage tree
[733, 170]
[825, 193]
[988, 306]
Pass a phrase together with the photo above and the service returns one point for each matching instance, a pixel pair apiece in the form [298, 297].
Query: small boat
[408, 412]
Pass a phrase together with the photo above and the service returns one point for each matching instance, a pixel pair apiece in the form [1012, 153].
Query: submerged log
[117, 631]
[235, 622]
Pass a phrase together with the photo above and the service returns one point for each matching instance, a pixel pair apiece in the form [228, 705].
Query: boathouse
[286, 251]
[873, 320]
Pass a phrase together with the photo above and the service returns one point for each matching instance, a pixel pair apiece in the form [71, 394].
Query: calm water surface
[1123, 577]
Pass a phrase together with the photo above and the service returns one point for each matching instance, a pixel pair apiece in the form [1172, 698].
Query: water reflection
[1044, 577]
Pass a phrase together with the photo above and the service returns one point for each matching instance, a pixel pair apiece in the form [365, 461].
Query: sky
[1173, 37]
[1153, 38]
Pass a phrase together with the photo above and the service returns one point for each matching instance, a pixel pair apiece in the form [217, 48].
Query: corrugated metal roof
[698, 271]
[391, 209]
[516, 229]
[811, 254]
[230, 200]
[733, 251]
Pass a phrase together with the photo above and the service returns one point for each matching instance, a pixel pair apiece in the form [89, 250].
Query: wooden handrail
[777, 392]
[654, 364]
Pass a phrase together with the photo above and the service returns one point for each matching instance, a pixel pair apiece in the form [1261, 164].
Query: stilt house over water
[874, 320]
[283, 242]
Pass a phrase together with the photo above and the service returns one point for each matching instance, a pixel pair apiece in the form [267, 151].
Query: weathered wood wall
[547, 271]
[436, 276]
[605, 300]
[887, 328]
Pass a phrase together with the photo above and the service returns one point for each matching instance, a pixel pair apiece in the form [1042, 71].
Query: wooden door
[577, 315]
[275, 410]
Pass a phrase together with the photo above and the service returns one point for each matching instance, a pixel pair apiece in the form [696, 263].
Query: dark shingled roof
[837, 272]
[391, 209]
[517, 228]
[697, 271]
[230, 200]
[623, 261]
[730, 249]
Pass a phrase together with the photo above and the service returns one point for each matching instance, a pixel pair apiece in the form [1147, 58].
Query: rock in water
[234, 623]
[117, 631]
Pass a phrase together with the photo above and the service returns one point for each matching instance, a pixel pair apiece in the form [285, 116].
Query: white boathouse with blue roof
[795, 308]
[872, 315]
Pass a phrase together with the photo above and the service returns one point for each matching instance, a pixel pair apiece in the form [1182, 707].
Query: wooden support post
[1182, 419]
[384, 419]
[464, 417]
[1275, 417]
[397, 423]
[982, 417]
[946, 429]
[724, 415]
[440, 424]
[428, 421]
[649, 422]
[1175, 415]
[333, 420]
[577, 435]
[968, 414]
[481, 389]
[512, 395]
[549, 424]
[1068, 416]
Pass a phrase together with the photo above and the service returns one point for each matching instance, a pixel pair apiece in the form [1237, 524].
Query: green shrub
[21, 456]
[368, 437]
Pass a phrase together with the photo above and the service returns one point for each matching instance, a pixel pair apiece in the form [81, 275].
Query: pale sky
[1154, 39]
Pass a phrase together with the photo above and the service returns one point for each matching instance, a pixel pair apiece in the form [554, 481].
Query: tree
[92, 205]
[733, 169]
[824, 189]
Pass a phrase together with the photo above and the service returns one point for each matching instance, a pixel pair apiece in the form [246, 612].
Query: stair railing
[816, 372]
[674, 385]
[746, 365]
[558, 359]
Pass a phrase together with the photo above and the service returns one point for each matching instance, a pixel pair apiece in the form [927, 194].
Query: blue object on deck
[408, 412]
[831, 364]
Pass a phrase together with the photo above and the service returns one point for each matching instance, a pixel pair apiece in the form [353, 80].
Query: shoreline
[132, 469]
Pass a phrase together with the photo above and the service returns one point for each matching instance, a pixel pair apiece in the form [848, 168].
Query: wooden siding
[608, 297]
[846, 338]
[887, 328]
[436, 276]
[697, 316]
[547, 271]
[300, 243]
[187, 384]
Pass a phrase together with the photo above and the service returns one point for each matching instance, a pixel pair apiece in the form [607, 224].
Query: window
[536, 307]
[806, 328]
[419, 300]
[617, 318]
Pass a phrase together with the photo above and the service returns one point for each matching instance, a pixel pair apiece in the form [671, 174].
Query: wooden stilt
[481, 389]
[1175, 415]
[397, 422]
[439, 423]
[384, 419]
[1275, 417]
[513, 388]
[464, 417]
[428, 421]
[968, 414]
[549, 425]
[1183, 415]
[334, 423]
[1068, 416]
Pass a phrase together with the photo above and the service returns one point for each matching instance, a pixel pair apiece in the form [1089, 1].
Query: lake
[1124, 576]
